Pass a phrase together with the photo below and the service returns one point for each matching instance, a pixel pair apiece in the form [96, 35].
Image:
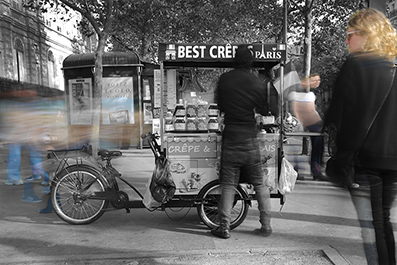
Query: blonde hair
[376, 27]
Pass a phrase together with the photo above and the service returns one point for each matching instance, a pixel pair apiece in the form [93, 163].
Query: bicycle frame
[81, 192]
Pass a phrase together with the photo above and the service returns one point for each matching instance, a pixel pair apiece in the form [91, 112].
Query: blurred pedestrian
[361, 101]
[240, 93]
[303, 104]
[23, 128]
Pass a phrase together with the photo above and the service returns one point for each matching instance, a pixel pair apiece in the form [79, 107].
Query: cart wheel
[208, 209]
[70, 195]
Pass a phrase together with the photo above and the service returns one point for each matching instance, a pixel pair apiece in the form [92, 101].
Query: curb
[201, 256]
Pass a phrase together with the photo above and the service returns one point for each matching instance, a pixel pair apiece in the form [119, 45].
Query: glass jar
[202, 124]
[191, 110]
[213, 110]
[168, 124]
[213, 125]
[180, 110]
[180, 124]
[191, 124]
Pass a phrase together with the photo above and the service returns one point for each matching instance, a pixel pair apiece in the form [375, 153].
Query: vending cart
[190, 123]
[187, 145]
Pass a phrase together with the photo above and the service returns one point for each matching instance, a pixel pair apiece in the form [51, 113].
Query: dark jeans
[316, 159]
[383, 188]
[241, 154]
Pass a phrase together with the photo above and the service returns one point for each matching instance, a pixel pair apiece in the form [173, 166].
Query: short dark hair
[243, 57]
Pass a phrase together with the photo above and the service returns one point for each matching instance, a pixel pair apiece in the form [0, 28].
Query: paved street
[318, 224]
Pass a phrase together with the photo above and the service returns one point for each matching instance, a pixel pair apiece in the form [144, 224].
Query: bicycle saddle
[107, 153]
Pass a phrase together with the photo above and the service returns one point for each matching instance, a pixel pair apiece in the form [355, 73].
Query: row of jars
[196, 110]
[191, 124]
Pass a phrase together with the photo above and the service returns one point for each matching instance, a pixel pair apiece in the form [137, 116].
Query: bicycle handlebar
[151, 135]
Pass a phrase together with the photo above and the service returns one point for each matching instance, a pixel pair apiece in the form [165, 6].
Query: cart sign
[218, 52]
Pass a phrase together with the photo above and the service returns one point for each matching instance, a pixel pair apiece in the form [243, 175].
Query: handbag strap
[380, 107]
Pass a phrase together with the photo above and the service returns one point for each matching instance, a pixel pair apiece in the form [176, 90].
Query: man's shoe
[265, 232]
[14, 182]
[320, 177]
[33, 178]
[221, 232]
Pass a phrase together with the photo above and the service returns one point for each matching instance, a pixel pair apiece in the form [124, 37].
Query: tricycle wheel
[71, 193]
[208, 208]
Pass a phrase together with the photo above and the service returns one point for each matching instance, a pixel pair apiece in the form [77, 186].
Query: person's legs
[316, 158]
[264, 206]
[13, 165]
[229, 177]
[389, 196]
[383, 193]
[256, 176]
[226, 204]
[35, 162]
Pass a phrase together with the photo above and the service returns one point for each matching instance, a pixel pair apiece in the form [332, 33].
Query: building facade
[33, 45]
[392, 12]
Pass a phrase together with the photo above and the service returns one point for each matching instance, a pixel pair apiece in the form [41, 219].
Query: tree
[141, 25]
[98, 15]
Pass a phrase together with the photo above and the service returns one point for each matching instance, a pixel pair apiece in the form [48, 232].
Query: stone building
[33, 45]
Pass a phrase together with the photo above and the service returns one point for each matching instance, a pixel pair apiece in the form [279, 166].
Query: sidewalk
[317, 225]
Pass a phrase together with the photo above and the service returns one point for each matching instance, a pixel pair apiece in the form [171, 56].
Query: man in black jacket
[240, 93]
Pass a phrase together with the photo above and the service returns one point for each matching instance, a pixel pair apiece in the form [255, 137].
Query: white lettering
[181, 51]
[185, 149]
[212, 52]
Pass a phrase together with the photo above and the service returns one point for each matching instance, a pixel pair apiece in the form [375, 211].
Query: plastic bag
[288, 177]
[148, 200]
[162, 185]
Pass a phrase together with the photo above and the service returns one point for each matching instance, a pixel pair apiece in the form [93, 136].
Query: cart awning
[218, 55]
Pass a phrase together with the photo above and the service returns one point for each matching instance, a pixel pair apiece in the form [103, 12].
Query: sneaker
[320, 177]
[33, 178]
[30, 198]
[264, 232]
[14, 182]
[354, 185]
[221, 232]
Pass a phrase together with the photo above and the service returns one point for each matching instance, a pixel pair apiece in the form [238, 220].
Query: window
[52, 72]
[16, 4]
[20, 62]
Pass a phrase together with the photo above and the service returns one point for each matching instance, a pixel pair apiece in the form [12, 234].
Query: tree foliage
[142, 24]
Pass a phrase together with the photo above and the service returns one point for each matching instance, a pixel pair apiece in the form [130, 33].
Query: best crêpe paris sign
[218, 52]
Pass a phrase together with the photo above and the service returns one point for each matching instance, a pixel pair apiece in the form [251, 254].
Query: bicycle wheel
[208, 209]
[71, 192]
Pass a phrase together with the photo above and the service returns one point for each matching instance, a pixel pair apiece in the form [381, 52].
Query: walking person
[365, 92]
[239, 94]
[304, 107]
[316, 157]
[22, 121]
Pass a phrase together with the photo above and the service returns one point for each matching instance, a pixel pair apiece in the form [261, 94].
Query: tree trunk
[97, 100]
[308, 38]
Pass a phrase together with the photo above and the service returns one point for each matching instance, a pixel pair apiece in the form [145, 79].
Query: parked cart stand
[189, 138]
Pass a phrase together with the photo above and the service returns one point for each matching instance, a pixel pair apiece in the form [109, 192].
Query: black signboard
[178, 52]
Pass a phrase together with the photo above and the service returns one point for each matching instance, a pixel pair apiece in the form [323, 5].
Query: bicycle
[81, 193]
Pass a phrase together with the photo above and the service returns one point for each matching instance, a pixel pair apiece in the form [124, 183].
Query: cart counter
[195, 159]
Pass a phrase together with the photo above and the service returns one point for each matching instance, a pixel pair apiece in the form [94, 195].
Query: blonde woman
[361, 95]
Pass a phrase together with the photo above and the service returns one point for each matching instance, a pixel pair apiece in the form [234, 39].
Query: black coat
[359, 91]
[239, 92]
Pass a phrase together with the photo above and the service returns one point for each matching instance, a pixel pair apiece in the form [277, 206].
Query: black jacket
[239, 92]
[359, 91]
